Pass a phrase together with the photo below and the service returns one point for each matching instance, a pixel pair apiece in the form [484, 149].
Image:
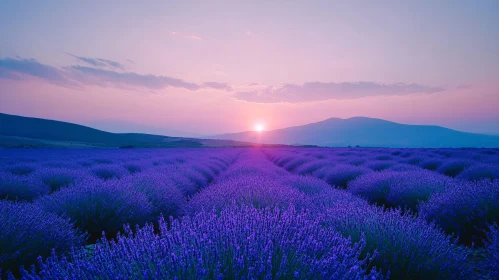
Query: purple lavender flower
[464, 209]
[27, 231]
[238, 243]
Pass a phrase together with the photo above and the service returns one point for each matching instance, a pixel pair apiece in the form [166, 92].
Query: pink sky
[210, 68]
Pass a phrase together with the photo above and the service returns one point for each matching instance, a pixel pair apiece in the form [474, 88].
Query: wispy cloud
[8, 75]
[99, 62]
[185, 36]
[317, 91]
[13, 68]
[71, 76]
[80, 76]
[106, 78]
[220, 86]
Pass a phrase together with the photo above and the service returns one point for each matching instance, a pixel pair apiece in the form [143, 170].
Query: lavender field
[249, 213]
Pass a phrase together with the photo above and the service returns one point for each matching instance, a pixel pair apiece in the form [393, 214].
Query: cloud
[105, 78]
[185, 36]
[220, 86]
[99, 62]
[13, 68]
[317, 91]
[77, 76]
[8, 75]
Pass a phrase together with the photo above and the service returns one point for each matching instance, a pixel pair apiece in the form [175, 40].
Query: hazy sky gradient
[210, 67]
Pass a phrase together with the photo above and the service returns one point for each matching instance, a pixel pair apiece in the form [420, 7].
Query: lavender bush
[403, 167]
[255, 190]
[464, 209]
[21, 169]
[108, 172]
[311, 167]
[379, 165]
[407, 246]
[27, 231]
[480, 171]
[27, 188]
[414, 160]
[452, 168]
[239, 243]
[492, 246]
[56, 178]
[295, 163]
[166, 198]
[133, 168]
[355, 161]
[431, 164]
[394, 189]
[306, 184]
[339, 175]
[97, 206]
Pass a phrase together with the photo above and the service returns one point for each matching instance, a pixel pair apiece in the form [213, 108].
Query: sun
[259, 127]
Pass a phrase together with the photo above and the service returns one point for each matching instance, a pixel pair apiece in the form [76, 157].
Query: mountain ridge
[370, 132]
[19, 131]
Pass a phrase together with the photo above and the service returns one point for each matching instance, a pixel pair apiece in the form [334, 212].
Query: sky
[208, 67]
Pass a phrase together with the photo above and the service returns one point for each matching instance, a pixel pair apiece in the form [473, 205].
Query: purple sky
[209, 67]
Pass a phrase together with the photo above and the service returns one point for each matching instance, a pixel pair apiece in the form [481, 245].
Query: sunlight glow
[259, 127]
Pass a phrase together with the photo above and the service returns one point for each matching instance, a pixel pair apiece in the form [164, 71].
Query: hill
[367, 132]
[18, 131]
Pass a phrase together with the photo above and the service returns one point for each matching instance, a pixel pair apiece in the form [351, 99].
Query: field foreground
[249, 213]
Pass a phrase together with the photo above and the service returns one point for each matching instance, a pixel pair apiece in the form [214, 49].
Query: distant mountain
[366, 132]
[17, 131]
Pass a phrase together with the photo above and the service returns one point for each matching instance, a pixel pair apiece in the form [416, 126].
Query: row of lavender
[258, 220]
[459, 194]
[57, 199]
[28, 174]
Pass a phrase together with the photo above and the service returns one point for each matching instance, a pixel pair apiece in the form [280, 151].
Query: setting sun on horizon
[259, 127]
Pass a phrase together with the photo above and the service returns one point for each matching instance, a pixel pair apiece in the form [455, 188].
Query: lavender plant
[394, 189]
[56, 178]
[431, 164]
[464, 209]
[21, 169]
[311, 167]
[97, 206]
[339, 175]
[478, 172]
[379, 165]
[108, 172]
[166, 198]
[407, 246]
[492, 246]
[27, 232]
[452, 168]
[15, 187]
[237, 243]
